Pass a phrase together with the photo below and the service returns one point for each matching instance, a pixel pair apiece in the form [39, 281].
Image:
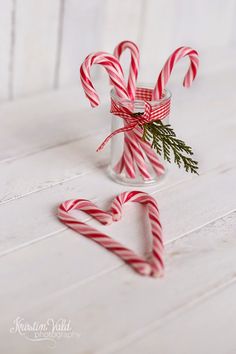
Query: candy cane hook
[169, 65]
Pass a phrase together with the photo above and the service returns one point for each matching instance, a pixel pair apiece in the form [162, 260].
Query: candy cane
[155, 266]
[134, 64]
[131, 139]
[157, 166]
[157, 262]
[169, 65]
[132, 142]
[114, 70]
[136, 138]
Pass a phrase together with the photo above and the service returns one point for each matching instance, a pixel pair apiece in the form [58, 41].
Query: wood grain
[42, 44]
[206, 319]
[46, 270]
[46, 121]
[81, 35]
[92, 305]
[6, 47]
[159, 23]
[69, 164]
[36, 27]
[119, 17]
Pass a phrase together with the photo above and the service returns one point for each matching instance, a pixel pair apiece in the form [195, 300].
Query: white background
[42, 42]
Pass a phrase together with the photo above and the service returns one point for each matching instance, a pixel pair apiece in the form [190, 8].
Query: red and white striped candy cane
[115, 73]
[132, 147]
[114, 70]
[157, 261]
[157, 166]
[153, 267]
[134, 64]
[131, 141]
[169, 65]
[112, 66]
[135, 138]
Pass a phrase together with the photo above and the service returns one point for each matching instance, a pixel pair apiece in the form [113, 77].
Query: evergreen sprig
[163, 139]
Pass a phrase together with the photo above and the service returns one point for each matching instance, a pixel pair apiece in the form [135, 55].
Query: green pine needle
[163, 139]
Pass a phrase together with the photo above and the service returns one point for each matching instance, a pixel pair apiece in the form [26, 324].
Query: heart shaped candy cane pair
[153, 267]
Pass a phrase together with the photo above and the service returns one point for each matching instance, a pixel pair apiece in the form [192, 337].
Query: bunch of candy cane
[136, 150]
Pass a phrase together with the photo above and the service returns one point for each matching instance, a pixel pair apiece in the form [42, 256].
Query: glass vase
[123, 147]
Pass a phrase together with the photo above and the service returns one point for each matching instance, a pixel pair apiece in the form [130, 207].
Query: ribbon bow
[151, 113]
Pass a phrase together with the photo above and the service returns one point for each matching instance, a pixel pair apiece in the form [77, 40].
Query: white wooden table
[47, 152]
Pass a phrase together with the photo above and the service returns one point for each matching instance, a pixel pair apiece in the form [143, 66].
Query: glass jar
[119, 168]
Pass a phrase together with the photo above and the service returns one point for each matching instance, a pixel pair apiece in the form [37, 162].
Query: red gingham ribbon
[150, 114]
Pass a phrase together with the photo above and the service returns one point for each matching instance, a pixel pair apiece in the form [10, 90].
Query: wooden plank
[163, 32]
[60, 116]
[67, 166]
[35, 46]
[30, 228]
[50, 167]
[159, 22]
[42, 176]
[29, 125]
[93, 293]
[82, 34]
[30, 223]
[6, 47]
[63, 163]
[207, 327]
[216, 24]
[197, 265]
[123, 20]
